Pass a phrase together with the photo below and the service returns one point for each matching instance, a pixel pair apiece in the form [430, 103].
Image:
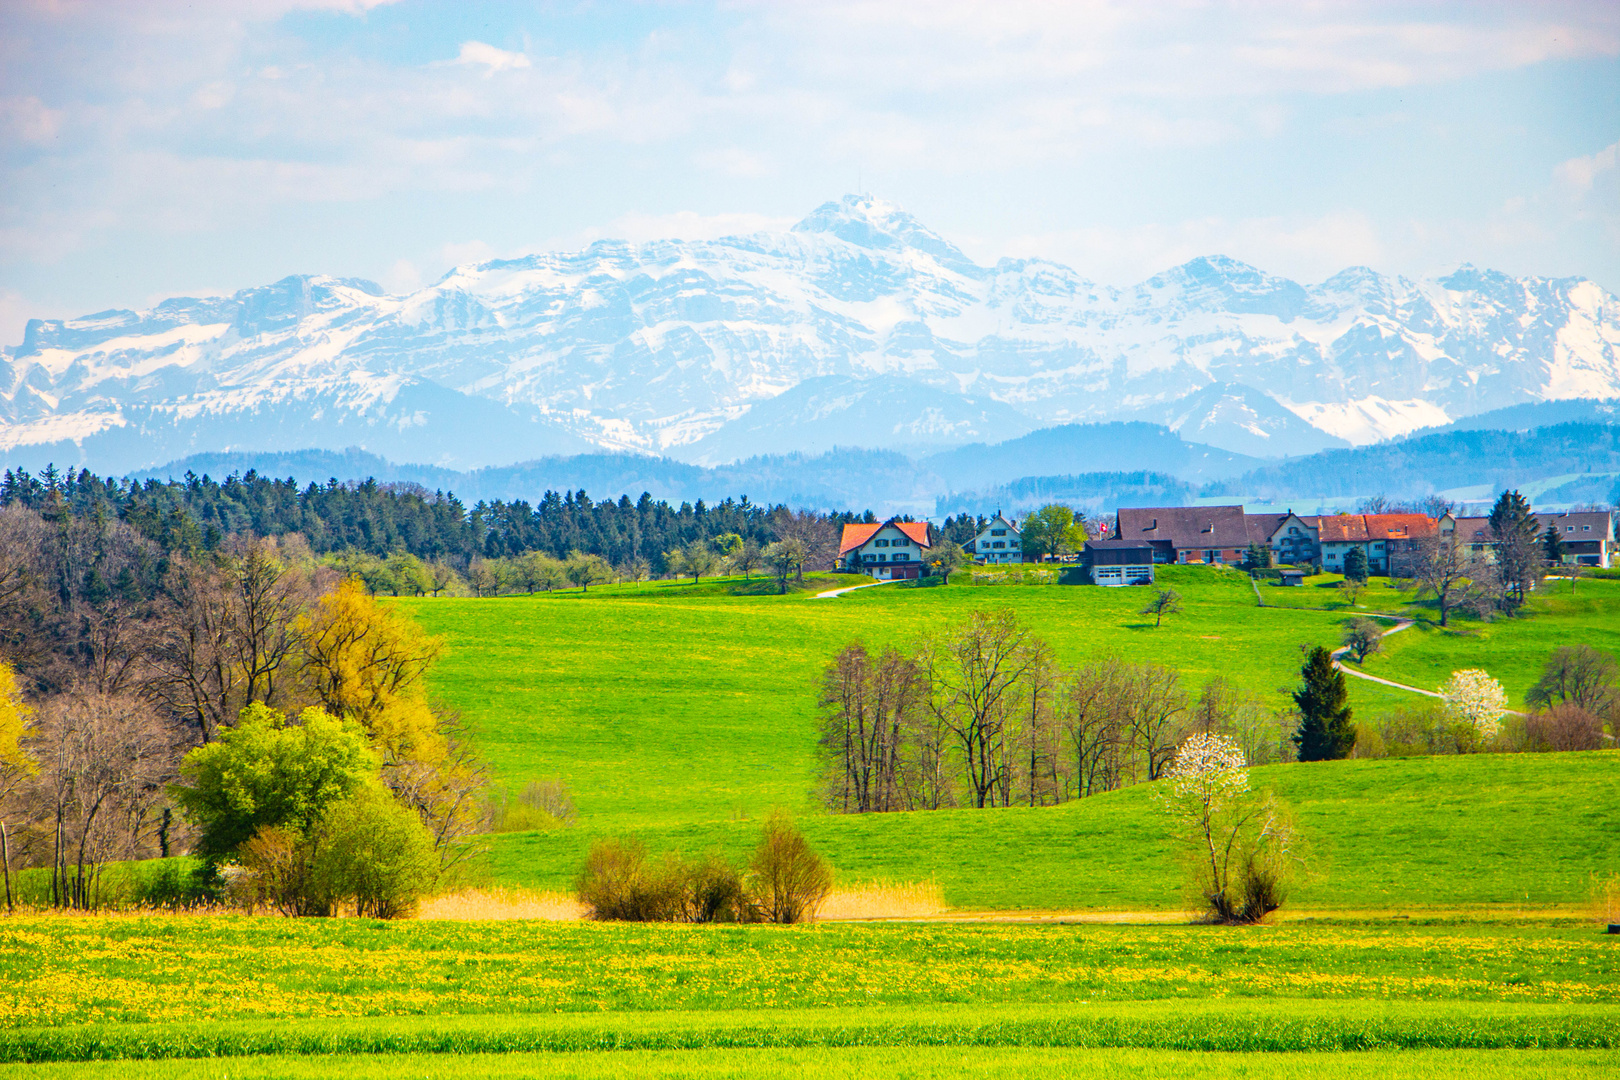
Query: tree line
[197, 514]
[983, 715]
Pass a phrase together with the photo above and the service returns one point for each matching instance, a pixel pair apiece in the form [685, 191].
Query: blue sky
[161, 149]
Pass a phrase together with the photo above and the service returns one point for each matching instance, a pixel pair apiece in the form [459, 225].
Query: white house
[890, 551]
[998, 543]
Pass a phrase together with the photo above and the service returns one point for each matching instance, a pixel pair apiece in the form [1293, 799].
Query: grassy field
[78, 989]
[684, 713]
[666, 703]
[902, 1063]
[1401, 834]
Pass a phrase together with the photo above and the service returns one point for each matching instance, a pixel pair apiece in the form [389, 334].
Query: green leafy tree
[1355, 565]
[1362, 638]
[1051, 530]
[1165, 602]
[369, 851]
[267, 772]
[587, 570]
[1257, 557]
[1325, 732]
[945, 558]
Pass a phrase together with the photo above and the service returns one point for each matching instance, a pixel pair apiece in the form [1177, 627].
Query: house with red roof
[1388, 540]
[891, 551]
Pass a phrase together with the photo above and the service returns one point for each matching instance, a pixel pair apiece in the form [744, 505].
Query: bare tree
[1445, 569]
[104, 761]
[818, 535]
[1038, 738]
[973, 673]
[1158, 709]
[868, 717]
[1092, 711]
[1165, 602]
[1582, 676]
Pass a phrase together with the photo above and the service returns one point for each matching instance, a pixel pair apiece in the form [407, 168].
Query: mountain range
[858, 327]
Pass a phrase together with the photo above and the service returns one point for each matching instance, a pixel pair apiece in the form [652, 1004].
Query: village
[1138, 538]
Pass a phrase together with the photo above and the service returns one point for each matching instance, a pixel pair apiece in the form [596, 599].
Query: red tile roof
[856, 535]
[1359, 528]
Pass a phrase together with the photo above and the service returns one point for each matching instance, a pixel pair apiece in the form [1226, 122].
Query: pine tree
[1325, 732]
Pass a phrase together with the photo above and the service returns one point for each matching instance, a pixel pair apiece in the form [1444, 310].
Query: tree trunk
[5, 866]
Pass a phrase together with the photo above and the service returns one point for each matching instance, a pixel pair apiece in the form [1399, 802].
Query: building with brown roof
[1187, 534]
[1587, 535]
[891, 551]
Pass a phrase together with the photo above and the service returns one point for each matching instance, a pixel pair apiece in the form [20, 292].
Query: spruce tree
[1355, 565]
[1325, 732]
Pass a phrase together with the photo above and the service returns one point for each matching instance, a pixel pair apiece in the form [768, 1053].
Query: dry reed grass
[885, 900]
[501, 903]
[1606, 899]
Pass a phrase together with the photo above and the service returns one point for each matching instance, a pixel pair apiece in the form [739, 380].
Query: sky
[160, 149]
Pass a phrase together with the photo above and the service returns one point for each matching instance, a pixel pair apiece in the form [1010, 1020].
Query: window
[999, 544]
[880, 543]
[1571, 528]
[1586, 528]
[1013, 545]
[1211, 556]
[998, 532]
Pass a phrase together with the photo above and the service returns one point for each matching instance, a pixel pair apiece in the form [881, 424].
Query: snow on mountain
[1241, 419]
[659, 346]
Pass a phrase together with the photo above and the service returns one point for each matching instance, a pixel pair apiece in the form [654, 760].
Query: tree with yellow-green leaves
[15, 764]
[369, 664]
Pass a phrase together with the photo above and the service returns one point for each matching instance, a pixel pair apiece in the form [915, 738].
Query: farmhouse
[889, 552]
[1588, 536]
[1386, 539]
[1187, 534]
[1118, 562]
[1294, 540]
[998, 543]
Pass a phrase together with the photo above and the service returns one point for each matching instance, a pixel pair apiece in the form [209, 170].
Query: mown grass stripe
[1234, 1030]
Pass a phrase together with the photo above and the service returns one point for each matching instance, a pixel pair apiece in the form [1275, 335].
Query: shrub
[541, 805]
[790, 879]
[1563, 727]
[617, 884]
[715, 893]
[373, 853]
[273, 869]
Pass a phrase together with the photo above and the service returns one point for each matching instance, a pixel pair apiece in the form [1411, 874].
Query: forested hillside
[197, 514]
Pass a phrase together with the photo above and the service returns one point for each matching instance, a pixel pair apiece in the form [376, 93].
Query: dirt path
[1402, 623]
[830, 593]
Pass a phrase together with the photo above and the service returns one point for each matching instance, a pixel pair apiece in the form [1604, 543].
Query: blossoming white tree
[1239, 846]
[1473, 697]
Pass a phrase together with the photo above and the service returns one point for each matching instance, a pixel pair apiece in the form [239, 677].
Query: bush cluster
[786, 882]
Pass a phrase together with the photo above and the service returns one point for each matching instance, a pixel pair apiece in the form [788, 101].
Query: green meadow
[683, 714]
[666, 703]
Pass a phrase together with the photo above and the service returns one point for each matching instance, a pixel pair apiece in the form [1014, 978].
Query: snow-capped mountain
[657, 346]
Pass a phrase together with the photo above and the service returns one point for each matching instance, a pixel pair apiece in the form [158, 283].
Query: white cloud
[491, 58]
[402, 277]
[1579, 173]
